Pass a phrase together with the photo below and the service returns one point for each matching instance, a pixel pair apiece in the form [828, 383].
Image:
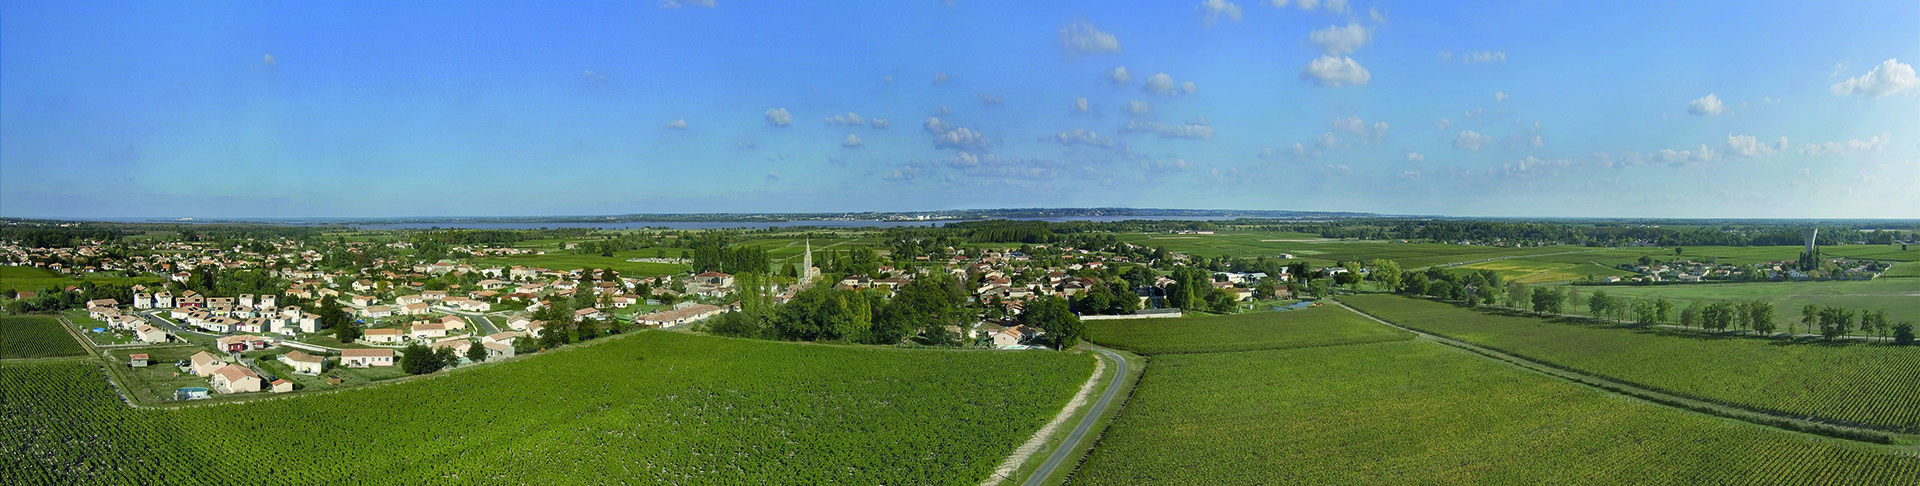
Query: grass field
[1902, 270]
[1900, 297]
[1418, 412]
[652, 407]
[31, 279]
[1538, 271]
[1325, 252]
[618, 262]
[36, 337]
[1318, 326]
[1869, 384]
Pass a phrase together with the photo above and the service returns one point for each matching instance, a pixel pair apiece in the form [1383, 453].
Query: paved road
[1079, 433]
[485, 323]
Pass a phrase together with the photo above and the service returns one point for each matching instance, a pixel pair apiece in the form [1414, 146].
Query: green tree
[1387, 272]
[417, 359]
[1760, 316]
[1599, 303]
[1903, 334]
[1808, 315]
[1320, 288]
[476, 353]
[1548, 300]
[1050, 314]
[1663, 309]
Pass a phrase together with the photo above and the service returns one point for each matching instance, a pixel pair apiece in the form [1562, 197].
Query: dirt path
[1026, 450]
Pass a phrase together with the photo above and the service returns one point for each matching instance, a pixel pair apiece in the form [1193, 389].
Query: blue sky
[1659, 109]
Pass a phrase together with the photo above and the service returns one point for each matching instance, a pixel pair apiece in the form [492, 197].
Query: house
[282, 386]
[235, 344]
[498, 350]
[143, 301]
[363, 301]
[235, 379]
[414, 309]
[491, 284]
[459, 345]
[454, 323]
[309, 323]
[246, 300]
[715, 279]
[424, 331]
[363, 285]
[163, 300]
[409, 299]
[503, 337]
[519, 323]
[677, 316]
[587, 313]
[1010, 336]
[254, 324]
[124, 321]
[203, 363]
[378, 311]
[433, 294]
[304, 363]
[362, 358]
[384, 336]
[138, 360]
[267, 301]
[150, 334]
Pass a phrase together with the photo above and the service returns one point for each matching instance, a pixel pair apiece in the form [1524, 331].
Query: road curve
[1067, 447]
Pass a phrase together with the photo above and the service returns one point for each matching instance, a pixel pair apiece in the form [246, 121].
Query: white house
[384, 336]
[362, 358]
[304, 363]
[235, 379]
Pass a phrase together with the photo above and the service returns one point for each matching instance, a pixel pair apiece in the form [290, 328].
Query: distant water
[705, 225]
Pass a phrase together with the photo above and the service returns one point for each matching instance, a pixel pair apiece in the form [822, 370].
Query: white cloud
[1444, 56]
[1537, 141]
[1333, 6]
[1873, 143]
[1416, 157]
[963, 159]
[686, 3]
[991, 100]
[773, 176]
[852, 141]
[1352, 124]
[1499, 96]
[1708, 106]
[1887, 78]
[1139, 108]
[269, 61]
[1119, 75]
[1080, 136]
[1217, 9]
[1471, 140]
[1376, 15]
[779, 117]
[850, 119]
[1159, 84]
[1190, 131]
[941, 78]
[1335, 71]
[1336, 40]
[888, 79]
[1678, 157]
[904, 173]
[1336, 6]
[1082, 38]
[680, 124]
[935, 126]
[1476, 112]
[1477, 57]
[1379, 131]
[1443, 124]
[593, 77]
[1187, 87]
[881, 123]
[1751, 146]
[949, 136]
[942, 111]
[1080, 105]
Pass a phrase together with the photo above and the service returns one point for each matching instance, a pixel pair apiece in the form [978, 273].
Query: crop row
[36, 337]
[1320, 326]
[1418, 412]
[658, 407]
[1855, 384]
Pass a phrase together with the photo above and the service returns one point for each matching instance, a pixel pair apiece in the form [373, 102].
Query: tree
[1663, 310]
[1387, 272]
[446, 357]
[476, 353]
[1808, 315]
[1835, 321]
[1644, 312]
[1319, 287]
[1875, 322]
[1903, 334]
[417, 359]
[1416, 284]
[1690, 316]
[1267, 289]
[1760, 316]
[1599, 303]
[1050, 314]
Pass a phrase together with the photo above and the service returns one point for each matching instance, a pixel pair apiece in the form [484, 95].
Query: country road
[1067, 447]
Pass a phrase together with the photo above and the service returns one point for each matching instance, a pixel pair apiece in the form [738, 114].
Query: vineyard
[36, 337]
[1869, 384]
[1318, 326]
[651, 407]
[1417, 412]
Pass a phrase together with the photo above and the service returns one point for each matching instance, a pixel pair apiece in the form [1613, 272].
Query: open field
[1325, 252]
[1317, 326]
[1902, 270]
[1535, 271]
[36, 337]
[1900, 297]
[618, 262]
[648, 407]
[1418, 412]
[1865, 384]
[31, 279]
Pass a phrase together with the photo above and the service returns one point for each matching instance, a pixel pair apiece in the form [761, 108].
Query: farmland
[1900, 297]
[35, 337]
[1325, 252]
[1538, 271]
[1318, 326]
[654, 407]
[1867, 384]
[618, 262]
[29, 279]
[1418, 412]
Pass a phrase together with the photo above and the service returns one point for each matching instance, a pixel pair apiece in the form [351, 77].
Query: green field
[1902, 270]
[652, 407]
[1325, 252]
[1526, 270]
[29, 279]
[1900, 297]
[1868, 384]
[36, 337]
[618, 262]
[1318, 326]
[1418, 412]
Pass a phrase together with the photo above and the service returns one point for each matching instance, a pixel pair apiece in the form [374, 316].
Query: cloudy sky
[1531, 108]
